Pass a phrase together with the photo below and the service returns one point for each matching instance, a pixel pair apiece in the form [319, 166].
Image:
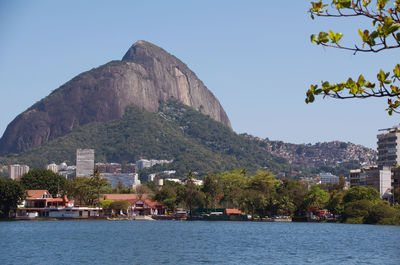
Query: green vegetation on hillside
[193, 140]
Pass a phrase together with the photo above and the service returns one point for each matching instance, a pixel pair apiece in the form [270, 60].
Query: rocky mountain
[146, 76]
[151, 105]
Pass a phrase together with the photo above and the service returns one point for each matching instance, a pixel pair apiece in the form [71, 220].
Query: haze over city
[256, 58]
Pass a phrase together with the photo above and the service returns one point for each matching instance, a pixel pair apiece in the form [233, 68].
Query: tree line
[261, 195]
[264, 195]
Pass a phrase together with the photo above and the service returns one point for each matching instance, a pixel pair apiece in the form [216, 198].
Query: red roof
[233, 211]
[36, 194]
[124, 197]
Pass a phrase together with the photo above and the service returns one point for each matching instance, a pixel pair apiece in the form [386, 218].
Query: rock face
[145, 76]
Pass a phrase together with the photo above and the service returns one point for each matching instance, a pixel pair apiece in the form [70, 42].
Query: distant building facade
[144, 163]
[380, 179]
[389, 147]
[126, 179]
[17, 170]
[326, 178]
[84, 162]
[116, 168]
[52, 167]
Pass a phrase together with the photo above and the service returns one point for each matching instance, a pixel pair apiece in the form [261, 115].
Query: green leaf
[318, 91]
[394, 28]
[335, 37]
[374, 34]
[396, 70]
[370, 85]
[314, 39]
[361, 81]
[353, 89]
[395, 89]
[381, 76]
[366, 3]
[323, 37]
[312, 88]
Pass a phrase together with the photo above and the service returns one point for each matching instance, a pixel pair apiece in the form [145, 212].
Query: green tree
[211, 189]
[98, 183]
[42, 179]
[253, 202]
[356, 211]
[86, 190]
[335, 203]
[382, 213]
[81, 190]
[11, 195]
[316, 197]
[119, 206]
[357, 193]
[384, 35]
[167, 196]
[397, 194]
[233, 183]
[193, 196]
[106, 204]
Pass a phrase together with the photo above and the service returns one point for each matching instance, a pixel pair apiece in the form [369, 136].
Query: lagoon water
[175, 242]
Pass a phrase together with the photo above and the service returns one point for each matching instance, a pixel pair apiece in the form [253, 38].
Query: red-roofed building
[148, 207]
[40, 203]
[139, 206]
[233, 212]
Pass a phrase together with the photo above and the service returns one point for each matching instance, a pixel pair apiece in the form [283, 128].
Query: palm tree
[96, 180]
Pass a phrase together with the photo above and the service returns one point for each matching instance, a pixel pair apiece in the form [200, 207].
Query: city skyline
[258, 70]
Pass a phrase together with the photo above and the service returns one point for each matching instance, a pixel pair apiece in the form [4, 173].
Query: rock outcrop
[145, 76]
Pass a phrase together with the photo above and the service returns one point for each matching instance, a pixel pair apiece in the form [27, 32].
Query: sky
[254, 56]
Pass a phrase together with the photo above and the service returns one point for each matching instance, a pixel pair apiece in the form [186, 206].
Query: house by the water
[139, 204]
[40, 203]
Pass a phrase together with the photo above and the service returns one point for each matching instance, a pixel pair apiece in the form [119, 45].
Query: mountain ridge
[146, 75]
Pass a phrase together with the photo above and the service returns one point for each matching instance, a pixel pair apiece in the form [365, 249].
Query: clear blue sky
[255, 56]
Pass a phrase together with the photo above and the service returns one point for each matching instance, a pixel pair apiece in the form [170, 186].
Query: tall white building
[16, 170]
[84, 162]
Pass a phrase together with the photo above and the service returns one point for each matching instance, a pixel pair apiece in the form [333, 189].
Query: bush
[382, 213]
[389, 221]
[106, 204]
[354, 220]
[357, 209]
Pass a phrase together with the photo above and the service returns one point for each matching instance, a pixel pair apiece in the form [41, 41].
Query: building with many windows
[389, 147]
[326, 178]
[17, 171]
[380, 179]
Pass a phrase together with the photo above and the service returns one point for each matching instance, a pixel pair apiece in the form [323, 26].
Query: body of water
[174, 242]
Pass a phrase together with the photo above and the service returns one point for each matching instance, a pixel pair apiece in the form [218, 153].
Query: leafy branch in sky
[385, 35]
